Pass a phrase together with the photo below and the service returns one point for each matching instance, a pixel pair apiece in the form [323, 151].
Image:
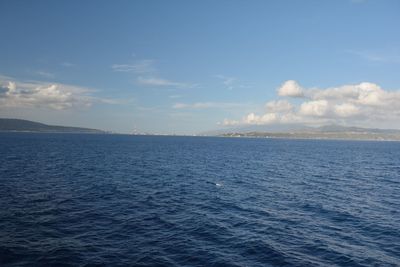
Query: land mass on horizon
[322, 132]
[256, 131]
[18, 125]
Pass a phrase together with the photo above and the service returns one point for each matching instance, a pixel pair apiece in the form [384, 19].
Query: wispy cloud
[389, 56]
[365, 103]
[231, 83]
[147, 74]
[138, 67]
[37, 94]
[45, 74]
[358, 1]
[67, 64]
[153, 81]
[175, 96]
[208, 105]
[227, 81]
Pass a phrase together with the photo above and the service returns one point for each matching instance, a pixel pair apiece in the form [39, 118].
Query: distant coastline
[327, 132]
[365, 136]
[26, 126]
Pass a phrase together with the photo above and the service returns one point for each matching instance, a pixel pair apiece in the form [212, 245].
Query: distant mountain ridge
[18, 125]
[271, 128]
[340, 128]
[305, 132]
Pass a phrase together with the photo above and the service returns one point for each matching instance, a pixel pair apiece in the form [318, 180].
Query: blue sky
[191, 66]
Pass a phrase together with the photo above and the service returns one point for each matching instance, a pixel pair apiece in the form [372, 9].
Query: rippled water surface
[93, 200]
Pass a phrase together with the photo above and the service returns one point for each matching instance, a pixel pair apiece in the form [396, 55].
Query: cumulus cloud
[364, 103]
[262, 119]
[314, 108]
[346, 110]
[279, 106]
[36, 94]
[290, 88]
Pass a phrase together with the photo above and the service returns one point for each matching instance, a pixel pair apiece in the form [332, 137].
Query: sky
[185, 67]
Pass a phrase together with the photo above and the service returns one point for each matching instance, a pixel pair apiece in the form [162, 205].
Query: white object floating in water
[218, 184]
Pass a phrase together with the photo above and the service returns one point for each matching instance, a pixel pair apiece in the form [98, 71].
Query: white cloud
[11, 87]
[290, 88]
[346, 110]
[314, 108]
[267, 118]
[279, 106]
[364, 104]
[228, 122]
[252, 118]
[35, 94]
[365, 94]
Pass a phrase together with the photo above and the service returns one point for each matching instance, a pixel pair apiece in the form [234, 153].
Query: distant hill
[338, 128]
[270, 128]
[322, 132]
[17, 125]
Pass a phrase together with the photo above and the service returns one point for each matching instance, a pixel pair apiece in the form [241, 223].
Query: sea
[123, 200]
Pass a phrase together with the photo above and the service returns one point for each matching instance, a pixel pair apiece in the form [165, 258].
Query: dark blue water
[94, 200]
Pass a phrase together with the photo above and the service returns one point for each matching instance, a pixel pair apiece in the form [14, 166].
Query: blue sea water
[115, 200]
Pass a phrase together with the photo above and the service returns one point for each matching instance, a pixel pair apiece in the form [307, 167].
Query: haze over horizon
[186, 67]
